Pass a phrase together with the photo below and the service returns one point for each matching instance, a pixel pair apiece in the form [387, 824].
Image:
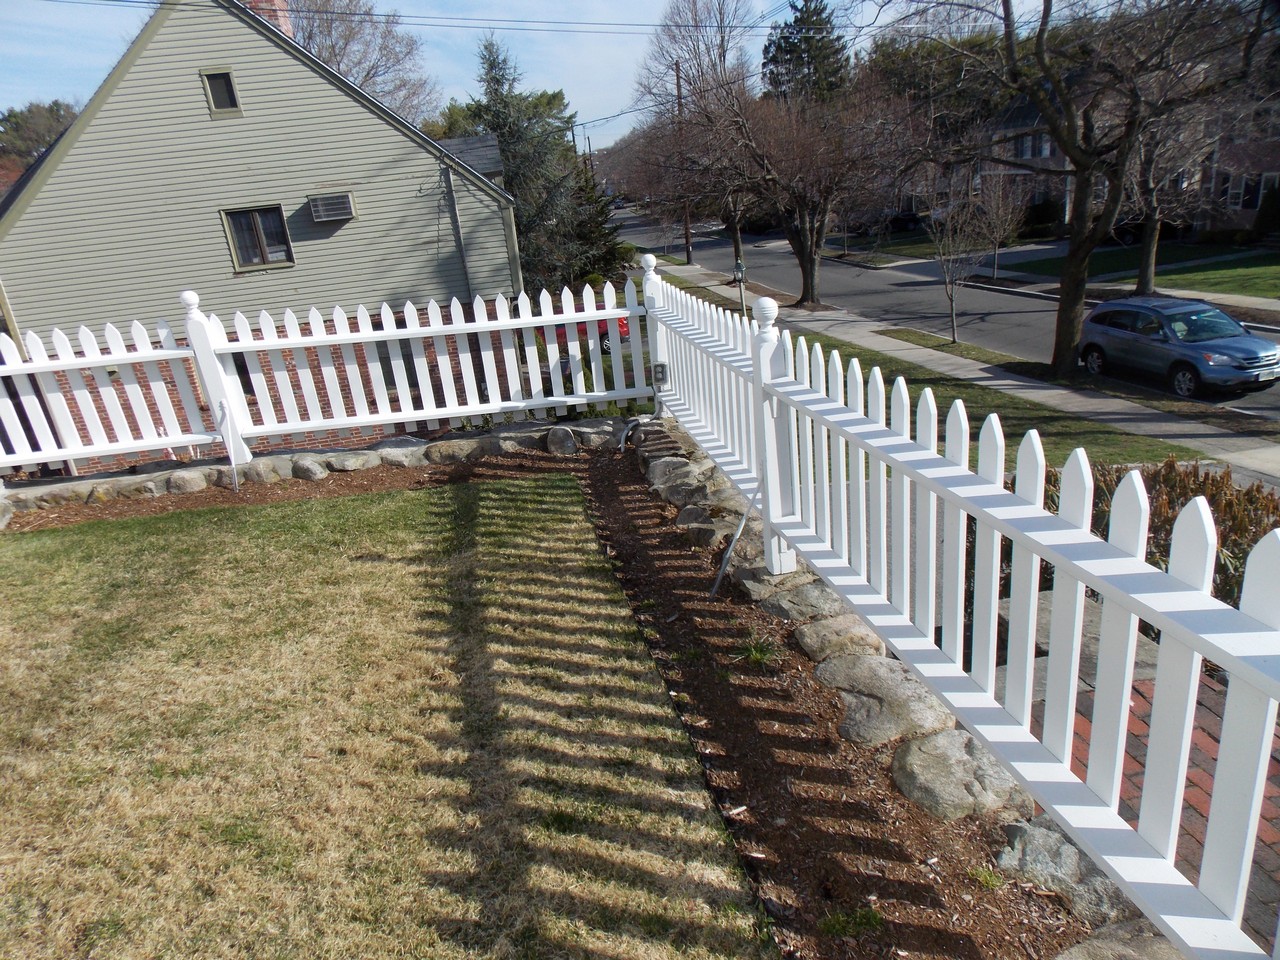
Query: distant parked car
[1187, 343]
[602, 327]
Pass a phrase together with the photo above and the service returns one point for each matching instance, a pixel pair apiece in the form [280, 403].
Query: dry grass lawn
[419, 724]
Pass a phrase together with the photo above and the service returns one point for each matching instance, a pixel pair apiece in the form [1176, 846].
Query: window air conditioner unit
[332, 206]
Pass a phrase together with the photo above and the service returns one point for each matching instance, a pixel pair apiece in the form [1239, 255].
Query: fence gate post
[657, 340]
[773, 439]
[227, 404]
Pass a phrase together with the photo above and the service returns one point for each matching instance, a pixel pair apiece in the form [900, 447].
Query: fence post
[226, 398]
[657, 344]
[773, 439]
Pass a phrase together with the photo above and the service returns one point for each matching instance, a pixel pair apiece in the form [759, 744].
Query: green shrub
[1242, 515]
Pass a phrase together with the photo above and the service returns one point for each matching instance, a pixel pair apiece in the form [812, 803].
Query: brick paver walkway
[1264, 886]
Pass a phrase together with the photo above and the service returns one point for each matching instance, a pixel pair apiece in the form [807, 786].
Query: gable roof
[15, 201]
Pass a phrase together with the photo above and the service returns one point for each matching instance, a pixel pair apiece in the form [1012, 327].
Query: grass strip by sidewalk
[1215, 415]
[419, 724]
[1060, 432]
[1110, 260]
[1254, 276]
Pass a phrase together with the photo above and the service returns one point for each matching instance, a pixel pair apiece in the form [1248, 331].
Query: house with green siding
[220, 156]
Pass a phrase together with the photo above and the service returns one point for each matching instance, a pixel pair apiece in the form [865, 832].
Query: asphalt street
[909, 295]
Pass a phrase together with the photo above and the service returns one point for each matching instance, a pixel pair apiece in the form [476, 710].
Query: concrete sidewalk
[1250, 459]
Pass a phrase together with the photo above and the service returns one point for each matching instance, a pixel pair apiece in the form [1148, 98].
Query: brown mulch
[844, 865]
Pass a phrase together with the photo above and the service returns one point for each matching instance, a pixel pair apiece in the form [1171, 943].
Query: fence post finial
[766, 312]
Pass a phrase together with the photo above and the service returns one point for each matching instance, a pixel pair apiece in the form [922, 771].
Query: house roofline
[49, 162]
[273, 33]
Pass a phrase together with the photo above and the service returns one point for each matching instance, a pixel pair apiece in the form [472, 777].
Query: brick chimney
[275, 12]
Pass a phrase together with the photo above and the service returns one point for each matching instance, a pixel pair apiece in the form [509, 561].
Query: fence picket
[104, 388]
[510, 356]
[350, 365]
[858, 533]
[63, 422]
[1192, 551]
[986, 560]
[533, 363]
[1248, 729]
[1066, 623]
[328, 367]
[158, 390]
[839, 461]
[10, 362]
[79, 389]
[421, 367]
[954, 530]
[1117, 644]
[463, 334]
[302, 368]
[877, 493]
[372, 353]
[1024, 597]
[546, 311]
[900, 505]
[395, 357]
[444, 362]
[183, 372]
[248, 353]
[143, 424]
[492, 386]
[925, 572]
[286, 391]
[638, 337]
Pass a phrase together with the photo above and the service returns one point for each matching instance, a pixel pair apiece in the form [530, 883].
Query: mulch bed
[845, 867]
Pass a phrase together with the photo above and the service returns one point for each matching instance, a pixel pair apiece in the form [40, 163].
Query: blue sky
[63, 49]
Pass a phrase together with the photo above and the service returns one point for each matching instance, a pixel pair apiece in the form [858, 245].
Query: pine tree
[562, 215]
[804, 58]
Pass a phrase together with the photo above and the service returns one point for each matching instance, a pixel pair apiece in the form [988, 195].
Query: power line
[518, 25]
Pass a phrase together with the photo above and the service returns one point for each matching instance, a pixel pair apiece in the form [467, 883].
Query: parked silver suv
[1187, 343]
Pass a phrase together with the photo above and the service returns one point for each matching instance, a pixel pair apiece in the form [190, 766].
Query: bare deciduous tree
[1002, 209]
[371, 49]
[960, 231]
[1098, 74]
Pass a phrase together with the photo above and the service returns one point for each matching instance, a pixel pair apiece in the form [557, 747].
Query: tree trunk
[1147, 262]
[1083, 236]
[735, 234]
[805, 232]
[995, 258]
[1075, 279]
[955, 336]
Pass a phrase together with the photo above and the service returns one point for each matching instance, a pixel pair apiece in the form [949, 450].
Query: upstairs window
[220, 89]
[259, 238]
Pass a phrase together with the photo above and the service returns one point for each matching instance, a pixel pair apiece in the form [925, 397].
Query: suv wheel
[1185, 382]
[1094, 361]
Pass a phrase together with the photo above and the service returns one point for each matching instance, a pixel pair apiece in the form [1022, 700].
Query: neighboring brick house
[220, 156]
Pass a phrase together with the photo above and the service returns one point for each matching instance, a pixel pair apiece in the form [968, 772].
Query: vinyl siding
[131, 215]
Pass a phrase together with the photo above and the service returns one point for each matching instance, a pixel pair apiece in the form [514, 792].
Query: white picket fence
[844, 479]
[847, 482]
[268, 379]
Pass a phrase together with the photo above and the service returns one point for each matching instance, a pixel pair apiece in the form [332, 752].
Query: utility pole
[688, 233]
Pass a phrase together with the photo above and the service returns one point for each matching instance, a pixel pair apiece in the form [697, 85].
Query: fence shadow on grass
[580, 824]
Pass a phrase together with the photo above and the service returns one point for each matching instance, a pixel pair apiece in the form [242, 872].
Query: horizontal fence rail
[262, 380]
[880, 499]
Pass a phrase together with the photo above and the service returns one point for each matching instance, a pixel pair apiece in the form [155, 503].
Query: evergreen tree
[804, 58]
[560, 212]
